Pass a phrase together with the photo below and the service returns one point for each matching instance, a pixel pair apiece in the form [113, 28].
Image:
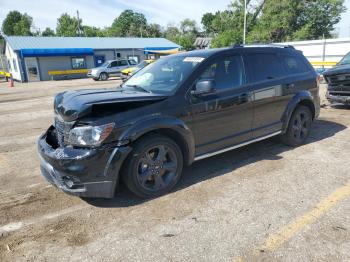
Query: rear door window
[294, 65]
[264, 66]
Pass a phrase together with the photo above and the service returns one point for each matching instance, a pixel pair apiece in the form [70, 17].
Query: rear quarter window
[294, 64]
[264, 66]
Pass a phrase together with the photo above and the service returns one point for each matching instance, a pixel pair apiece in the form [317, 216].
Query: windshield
[105, 64]
[345, 60]
[165, 75]
[132, 62]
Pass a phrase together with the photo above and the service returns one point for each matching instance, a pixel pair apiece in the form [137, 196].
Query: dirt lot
[264, 202]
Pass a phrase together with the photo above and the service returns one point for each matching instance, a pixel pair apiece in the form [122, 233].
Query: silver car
[110, 68]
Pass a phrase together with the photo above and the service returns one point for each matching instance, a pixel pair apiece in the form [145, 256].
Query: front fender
[293, 103]
[159, 124]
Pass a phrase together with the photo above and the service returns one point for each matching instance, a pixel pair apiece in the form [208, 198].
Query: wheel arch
[173, 128]
[304, 98]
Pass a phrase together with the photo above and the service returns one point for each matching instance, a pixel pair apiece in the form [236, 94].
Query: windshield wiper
[139, 88]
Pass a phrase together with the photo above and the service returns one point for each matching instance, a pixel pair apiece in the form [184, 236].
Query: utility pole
[79, 29]
[245, 21]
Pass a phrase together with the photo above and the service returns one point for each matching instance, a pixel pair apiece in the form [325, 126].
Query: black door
[223, 118]
[267, 75]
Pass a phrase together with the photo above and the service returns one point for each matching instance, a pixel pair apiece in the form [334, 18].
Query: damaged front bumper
[83, 172]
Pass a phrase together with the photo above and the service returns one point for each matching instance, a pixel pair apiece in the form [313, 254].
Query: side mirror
[204, 87]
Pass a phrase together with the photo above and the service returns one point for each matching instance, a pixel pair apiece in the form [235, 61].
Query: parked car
[183, 108]
[338, 79]
[127, 73]
[110, 68]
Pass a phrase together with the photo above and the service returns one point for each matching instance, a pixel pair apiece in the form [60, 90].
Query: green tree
[287, 20]
[318, 18]
[129, 23]
[185, 35]
[207, 22]
[188, 26]
[16, 23]
[48, 32]
[154, 30]
[92, 31]
[278, 21]
[67, 25]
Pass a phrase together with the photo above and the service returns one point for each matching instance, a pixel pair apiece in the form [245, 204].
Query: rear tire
[298, 127]
[154, 166]
[103, 76]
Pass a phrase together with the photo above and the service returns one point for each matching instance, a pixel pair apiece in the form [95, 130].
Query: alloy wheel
[300, 126]
[157, 168]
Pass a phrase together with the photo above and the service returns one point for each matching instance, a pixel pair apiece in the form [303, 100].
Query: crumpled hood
[71, 105]
[342, 69]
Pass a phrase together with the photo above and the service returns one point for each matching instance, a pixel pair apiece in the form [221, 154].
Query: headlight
[89, 135]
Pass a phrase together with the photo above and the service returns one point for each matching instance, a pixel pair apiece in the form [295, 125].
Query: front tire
[154, 166]
[103, 76]
[299, 127]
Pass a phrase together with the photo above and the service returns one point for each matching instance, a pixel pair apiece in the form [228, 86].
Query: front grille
[343, 79]
[339, 93]
[62, 130]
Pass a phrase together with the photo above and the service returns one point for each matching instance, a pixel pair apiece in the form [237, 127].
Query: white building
[325, 52]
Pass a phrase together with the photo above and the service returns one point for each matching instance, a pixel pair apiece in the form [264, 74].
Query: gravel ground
[264, 202]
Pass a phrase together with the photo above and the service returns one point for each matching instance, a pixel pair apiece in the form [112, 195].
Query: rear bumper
[82, 172]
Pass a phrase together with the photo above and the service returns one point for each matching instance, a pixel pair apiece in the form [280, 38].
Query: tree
[207, 22]
[318, 19]
[154, 30]
[188, 26]
[278, 22]
[92, 31]
[16, 23]
[48, 32]
[129, 23]
[228, 25]
[274, 21]
[67, 25]
[286, 20]
[185, 35]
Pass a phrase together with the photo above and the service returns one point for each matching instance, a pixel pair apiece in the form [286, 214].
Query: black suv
[181, 109]
[338, 79]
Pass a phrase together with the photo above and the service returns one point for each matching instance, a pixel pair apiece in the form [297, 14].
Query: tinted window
[226, 72]
[294, 65]
[123, 63]
[345, 60]
[264, 67]
[114, 64]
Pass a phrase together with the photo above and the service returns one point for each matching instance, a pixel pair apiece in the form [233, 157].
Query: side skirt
[236, 146]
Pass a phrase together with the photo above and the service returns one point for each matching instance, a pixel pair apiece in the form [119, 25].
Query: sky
[101, 13]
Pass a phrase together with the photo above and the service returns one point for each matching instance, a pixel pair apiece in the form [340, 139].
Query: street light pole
[245, 21]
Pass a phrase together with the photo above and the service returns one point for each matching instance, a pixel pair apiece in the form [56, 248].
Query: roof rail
[263, 45]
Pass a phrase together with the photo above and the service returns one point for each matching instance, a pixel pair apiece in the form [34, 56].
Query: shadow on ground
[224, 163]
